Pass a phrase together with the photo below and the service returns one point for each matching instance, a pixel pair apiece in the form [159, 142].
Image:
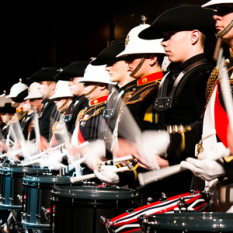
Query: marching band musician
[62, 99]
[216, 143]
[33, 102]
[144, 59]
[73, 73]
[181, 94]
[47, 86]
[118, 72]
[17, 94]
[7, 112]
[3, 101]
[96, 80]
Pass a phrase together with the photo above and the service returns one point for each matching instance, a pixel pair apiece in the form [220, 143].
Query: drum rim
[48, 179]
[80, 192]
[181, 221]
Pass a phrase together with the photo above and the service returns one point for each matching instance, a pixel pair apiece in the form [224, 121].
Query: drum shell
[11, 185]
[37, 191]
[189, 222]
[82, 214]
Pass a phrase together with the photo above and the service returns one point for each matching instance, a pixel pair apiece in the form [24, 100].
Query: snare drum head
[192, 221]
[97, 193]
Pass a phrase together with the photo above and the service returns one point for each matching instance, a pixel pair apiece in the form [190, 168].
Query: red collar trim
[149, 78]
[98, 100]
[19, 109]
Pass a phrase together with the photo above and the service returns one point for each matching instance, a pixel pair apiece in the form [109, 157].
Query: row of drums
[50, 203]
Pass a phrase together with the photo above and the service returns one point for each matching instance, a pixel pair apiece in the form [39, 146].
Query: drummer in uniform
[62, 99]
[73, 73]
[186, 105]
[47, 86]
[118, 72]
[216, 143]
[3, 101]
[7, 112]
[32, 104]
[17, 94]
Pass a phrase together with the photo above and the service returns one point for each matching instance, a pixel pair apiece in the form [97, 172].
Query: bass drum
[11, 184]
[129, 222]
[189, 222]
[36, 202]
[78, 209]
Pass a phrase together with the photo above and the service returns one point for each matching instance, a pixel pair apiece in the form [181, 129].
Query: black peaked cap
[75, 69]
[7, 108]
[110, 53]
[45, 74]
[183, 18]
[20, 97]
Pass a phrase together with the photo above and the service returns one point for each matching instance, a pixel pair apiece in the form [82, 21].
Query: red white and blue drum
[128, 222]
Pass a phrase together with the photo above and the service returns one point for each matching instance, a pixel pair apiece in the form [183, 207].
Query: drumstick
[90, 176]
[117, 160]
[44, 153]
[153, 176]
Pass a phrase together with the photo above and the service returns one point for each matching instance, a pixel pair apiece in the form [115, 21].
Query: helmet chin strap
[225, 31]
[139, 65]
[93, 89]
[63, 104]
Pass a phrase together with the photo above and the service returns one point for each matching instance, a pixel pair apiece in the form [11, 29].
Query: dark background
[36, 36]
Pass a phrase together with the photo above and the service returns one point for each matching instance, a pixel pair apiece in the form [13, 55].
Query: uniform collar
[178, 67]
[20, 109]
[149, 78]
[231, 51]
[98, 100]
[134, 82]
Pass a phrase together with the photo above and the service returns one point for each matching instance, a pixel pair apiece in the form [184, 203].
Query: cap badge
[143, 18]
[127, 40]
[144, 80]
[95, 101]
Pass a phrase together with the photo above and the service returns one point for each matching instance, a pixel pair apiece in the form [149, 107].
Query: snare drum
[37, 193]
[78, 209]
[11, 185]
[128, 222]
[189, 222]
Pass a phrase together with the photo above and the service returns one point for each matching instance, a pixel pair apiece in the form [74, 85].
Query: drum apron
[11, 185]
[79, 209]
[189, 222]
[36, 203]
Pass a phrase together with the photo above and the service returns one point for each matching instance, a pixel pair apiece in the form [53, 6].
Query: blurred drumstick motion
[153, 176]
[116, 160]
[90, 176]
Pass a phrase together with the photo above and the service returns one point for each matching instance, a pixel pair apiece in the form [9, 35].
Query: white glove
[107, 176]
[93, 152]
[153, 143]
[204, 168]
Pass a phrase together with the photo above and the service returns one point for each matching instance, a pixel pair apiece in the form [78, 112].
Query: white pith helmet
[212, 4]
[96, 74]
[16, 89]
[62, 90]
[136, 45]
[3, 99]
[33, 92]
